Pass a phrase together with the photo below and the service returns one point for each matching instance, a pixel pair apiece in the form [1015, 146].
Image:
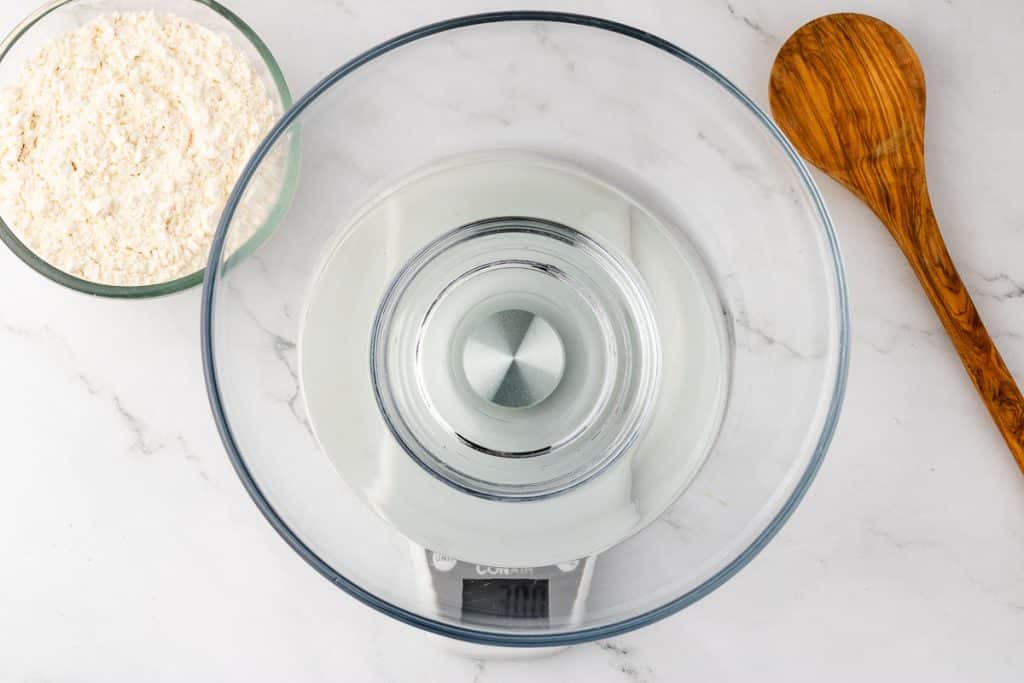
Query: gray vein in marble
[455, 45]
[510, 101]
[900, 331]
[609, 646]
[142, 444]
[142, 441]
[623, 661]
[89, 386]
[670, 522]
[15, 330]
[718, 499]
[484, 116]
[888, 537]
[348, 163]
[343, 6]
[192, 457]
[282, 348]
[481, 669]
[753, 24]
[1004, 287]
[261, 265]
[499, 114]
[767, 339]
[271, 280]
[546, 43]
[748, 171]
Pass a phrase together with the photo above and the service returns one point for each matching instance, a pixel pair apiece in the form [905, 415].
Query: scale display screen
[505, 598]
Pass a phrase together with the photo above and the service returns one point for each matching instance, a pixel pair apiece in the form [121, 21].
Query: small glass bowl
[61, 16]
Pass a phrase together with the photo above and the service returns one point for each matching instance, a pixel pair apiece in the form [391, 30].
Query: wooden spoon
[848, 91]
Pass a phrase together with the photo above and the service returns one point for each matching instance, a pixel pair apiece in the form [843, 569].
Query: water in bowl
[537, 345]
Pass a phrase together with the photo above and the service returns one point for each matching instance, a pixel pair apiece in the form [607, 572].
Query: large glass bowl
[594, 111]
[62, 16]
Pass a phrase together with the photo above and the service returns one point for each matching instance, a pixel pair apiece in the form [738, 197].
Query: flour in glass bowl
[121, 142]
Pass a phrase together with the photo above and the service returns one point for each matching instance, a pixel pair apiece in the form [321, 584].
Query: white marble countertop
[130, 551]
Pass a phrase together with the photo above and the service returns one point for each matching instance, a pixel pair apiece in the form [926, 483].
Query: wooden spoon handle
[926, 251]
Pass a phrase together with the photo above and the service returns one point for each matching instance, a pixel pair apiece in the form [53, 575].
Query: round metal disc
[514, 359]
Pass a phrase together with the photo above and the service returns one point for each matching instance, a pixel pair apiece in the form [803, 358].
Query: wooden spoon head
[848, 91]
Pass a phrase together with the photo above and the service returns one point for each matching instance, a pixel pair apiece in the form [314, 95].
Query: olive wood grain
[849, 92]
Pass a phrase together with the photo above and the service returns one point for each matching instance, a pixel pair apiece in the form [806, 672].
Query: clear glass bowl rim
[460, 632]
[29, 257]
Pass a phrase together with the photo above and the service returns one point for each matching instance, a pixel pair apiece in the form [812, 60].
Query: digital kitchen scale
[517, 311]
[517, 597]
[514, 358]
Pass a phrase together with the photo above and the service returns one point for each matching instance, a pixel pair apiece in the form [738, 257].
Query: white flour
[120, 144]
